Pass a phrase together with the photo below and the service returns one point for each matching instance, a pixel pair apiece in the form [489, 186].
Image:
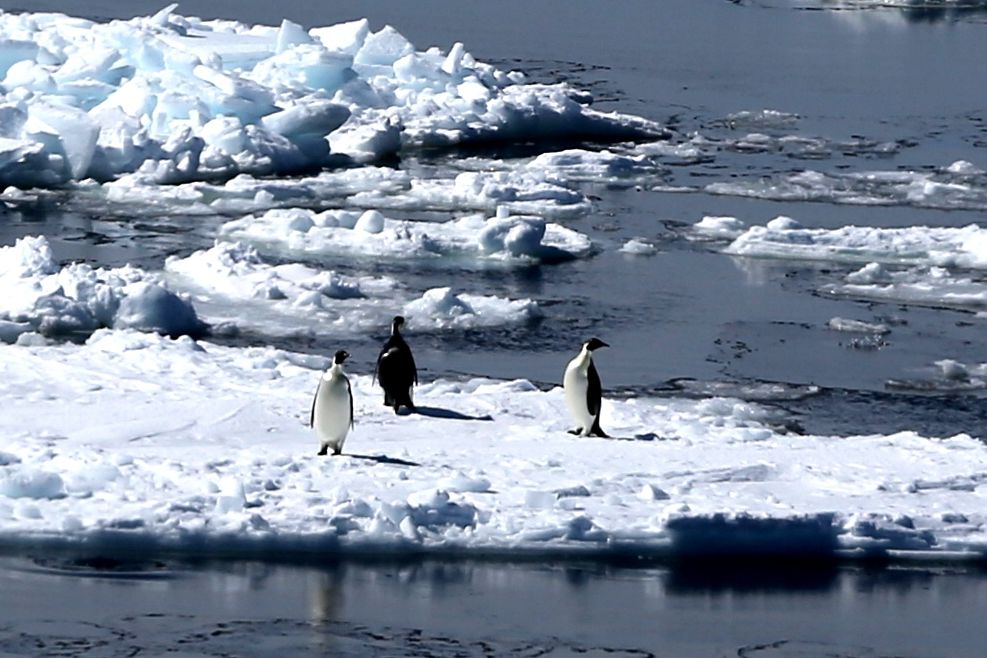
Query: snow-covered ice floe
[485, 468]
[921, 286]
[232, 286]
[518, 192]
[179, 98]
[40, 296]
[959, 186]
[351, 234]
[785, 238]
[945, 376]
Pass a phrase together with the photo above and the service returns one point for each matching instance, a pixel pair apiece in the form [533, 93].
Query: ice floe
[519, 191]
[945, 376]
[44, 297]
[857, 326]
[784, 237]
[442, 308]
[922, 286]
[234, 288]
[959, 186]
[638, 247]
[345, 234]
[485, 468]
[180, 99]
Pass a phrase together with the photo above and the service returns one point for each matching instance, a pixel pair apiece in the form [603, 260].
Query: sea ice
[45, 297]
[345, 234]
[638, 247]
[921, 286]
[233, 286]
[521, 191]
[782, 237]
[183, 99]
[953, 187]
[487, 467]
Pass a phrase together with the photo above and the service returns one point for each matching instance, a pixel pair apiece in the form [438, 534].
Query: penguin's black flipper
[311, 418]
[594, 391]
[594, 397]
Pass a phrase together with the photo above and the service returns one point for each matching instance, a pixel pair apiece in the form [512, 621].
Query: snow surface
[109, 445]
[180, 99]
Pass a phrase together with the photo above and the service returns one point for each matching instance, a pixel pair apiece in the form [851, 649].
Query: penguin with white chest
[396, 370]
[332, 408]
[583, 392]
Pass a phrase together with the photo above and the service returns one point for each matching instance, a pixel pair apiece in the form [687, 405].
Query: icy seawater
[779, 237]
[465, 608]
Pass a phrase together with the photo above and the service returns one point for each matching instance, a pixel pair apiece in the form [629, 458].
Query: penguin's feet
[576, 432]
[337, 451]
[323, 451]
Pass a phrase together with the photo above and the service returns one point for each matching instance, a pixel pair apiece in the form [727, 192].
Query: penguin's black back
[396, 372]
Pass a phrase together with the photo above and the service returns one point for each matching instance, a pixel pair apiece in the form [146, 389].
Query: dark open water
[914, 78]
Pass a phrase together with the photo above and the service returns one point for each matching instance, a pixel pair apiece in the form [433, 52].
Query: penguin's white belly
[332, 412]
[576, 383]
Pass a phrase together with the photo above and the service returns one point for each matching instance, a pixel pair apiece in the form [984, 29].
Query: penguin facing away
[396, 369]
[332, 408]
[583, 392]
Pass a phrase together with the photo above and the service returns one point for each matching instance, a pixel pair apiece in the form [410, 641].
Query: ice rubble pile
[181, 98]
[40, 296]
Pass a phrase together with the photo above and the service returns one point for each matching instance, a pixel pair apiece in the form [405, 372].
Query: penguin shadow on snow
[383, 459]
[443, 413]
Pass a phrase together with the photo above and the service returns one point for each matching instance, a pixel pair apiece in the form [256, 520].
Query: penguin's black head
[595, 343]
[397, 322]
[340, 356]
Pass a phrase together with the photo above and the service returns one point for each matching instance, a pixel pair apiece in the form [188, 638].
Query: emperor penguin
[396, 369]
[332, 408]
[583, 392]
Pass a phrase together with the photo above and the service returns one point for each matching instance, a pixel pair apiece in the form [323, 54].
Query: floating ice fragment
[857, 326]
[638, 247]
[720, 227]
